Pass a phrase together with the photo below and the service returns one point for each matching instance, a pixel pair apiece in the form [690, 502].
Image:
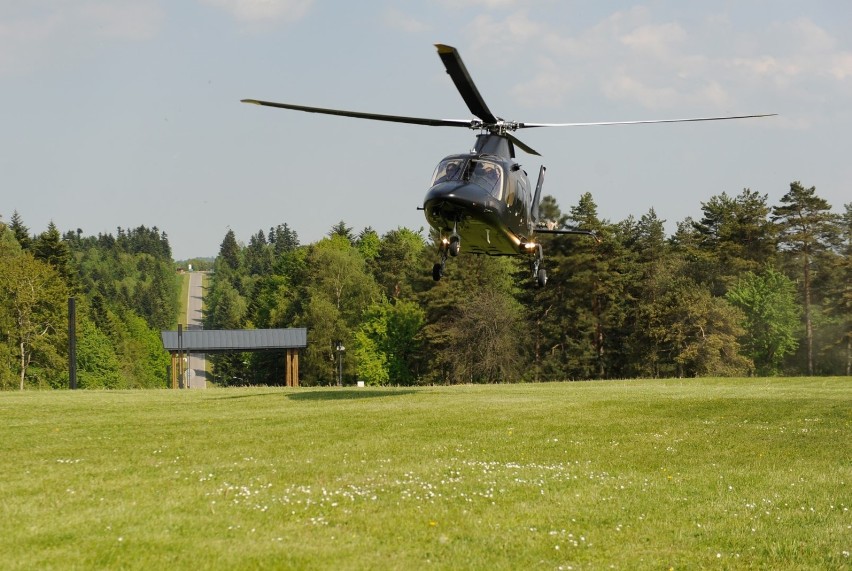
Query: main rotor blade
[690, 120]
[372, 116]
[522, 145]
[458, 72]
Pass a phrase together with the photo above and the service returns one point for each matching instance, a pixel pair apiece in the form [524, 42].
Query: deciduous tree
[35, 298]
[98, 366]
[768, 301]
[387, 342]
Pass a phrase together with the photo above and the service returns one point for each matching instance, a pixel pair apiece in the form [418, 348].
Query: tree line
[747, 289]
[125, 290]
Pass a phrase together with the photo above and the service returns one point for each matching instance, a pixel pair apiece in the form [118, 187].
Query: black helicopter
[483, 198]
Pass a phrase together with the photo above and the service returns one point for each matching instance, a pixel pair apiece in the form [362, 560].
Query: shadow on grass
[244, 396]
[347, 394]
[319, 394]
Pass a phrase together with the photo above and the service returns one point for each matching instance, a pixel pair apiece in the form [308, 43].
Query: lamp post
[339, 349]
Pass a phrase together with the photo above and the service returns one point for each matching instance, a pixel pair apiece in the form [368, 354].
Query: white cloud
[485, 4]
[398, 20]
[801, 52]
[655, 39]
[708, 64]
[127, 20]
[623, 87]
[840, 65]
[777, 70]
[806, 36]
[39, 32]
[263, 10]
[501, 37]
[547, 88]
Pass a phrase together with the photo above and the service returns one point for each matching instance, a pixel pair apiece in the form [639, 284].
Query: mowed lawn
[679, 474]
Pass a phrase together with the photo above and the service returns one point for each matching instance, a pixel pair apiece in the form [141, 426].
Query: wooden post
[174, 370]
[295, 367]
[287, 380]
[292, 367]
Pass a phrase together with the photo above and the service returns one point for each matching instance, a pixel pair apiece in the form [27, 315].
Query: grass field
[692, 474]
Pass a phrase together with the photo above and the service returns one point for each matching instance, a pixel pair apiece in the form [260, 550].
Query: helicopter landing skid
[451, 247]
[438, 269]
[455, 240]
[538, 273]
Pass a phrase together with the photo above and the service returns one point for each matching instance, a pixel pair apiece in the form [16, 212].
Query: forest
[125, 289]
[749, 288]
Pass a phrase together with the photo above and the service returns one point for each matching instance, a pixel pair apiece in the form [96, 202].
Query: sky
[121, 113]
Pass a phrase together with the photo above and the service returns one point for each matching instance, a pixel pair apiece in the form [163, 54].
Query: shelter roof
[221, 340]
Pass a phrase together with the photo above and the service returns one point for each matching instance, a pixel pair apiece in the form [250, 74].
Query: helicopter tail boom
[566, 230]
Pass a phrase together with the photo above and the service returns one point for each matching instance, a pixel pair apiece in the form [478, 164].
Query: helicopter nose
[458, 193]
[449, 203]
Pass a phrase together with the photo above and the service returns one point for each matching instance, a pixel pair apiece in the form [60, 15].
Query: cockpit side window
[449, 169]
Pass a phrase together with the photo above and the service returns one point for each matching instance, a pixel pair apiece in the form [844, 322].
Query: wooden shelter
[286, 341]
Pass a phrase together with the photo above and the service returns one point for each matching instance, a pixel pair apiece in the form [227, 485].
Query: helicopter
[483, 198]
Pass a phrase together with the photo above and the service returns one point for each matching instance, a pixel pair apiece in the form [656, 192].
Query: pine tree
[838, 295]
[50, 248]
[341, 229]
[597, 291]
[651, 267]
[258, 255]
[283, 239]
[229, 251]
[22, 233]
[807, 228]
[738, 234]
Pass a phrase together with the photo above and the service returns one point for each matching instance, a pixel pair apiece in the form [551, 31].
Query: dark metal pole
[72, 343]
[180, 356]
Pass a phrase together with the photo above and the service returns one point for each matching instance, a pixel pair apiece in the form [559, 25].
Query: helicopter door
[522, 193]
[511, 192]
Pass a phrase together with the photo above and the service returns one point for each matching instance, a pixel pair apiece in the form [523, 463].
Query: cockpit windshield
[488, 175]
[449, 169]
[481, 172]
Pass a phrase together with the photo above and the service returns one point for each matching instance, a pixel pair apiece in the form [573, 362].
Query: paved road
[197, 370]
